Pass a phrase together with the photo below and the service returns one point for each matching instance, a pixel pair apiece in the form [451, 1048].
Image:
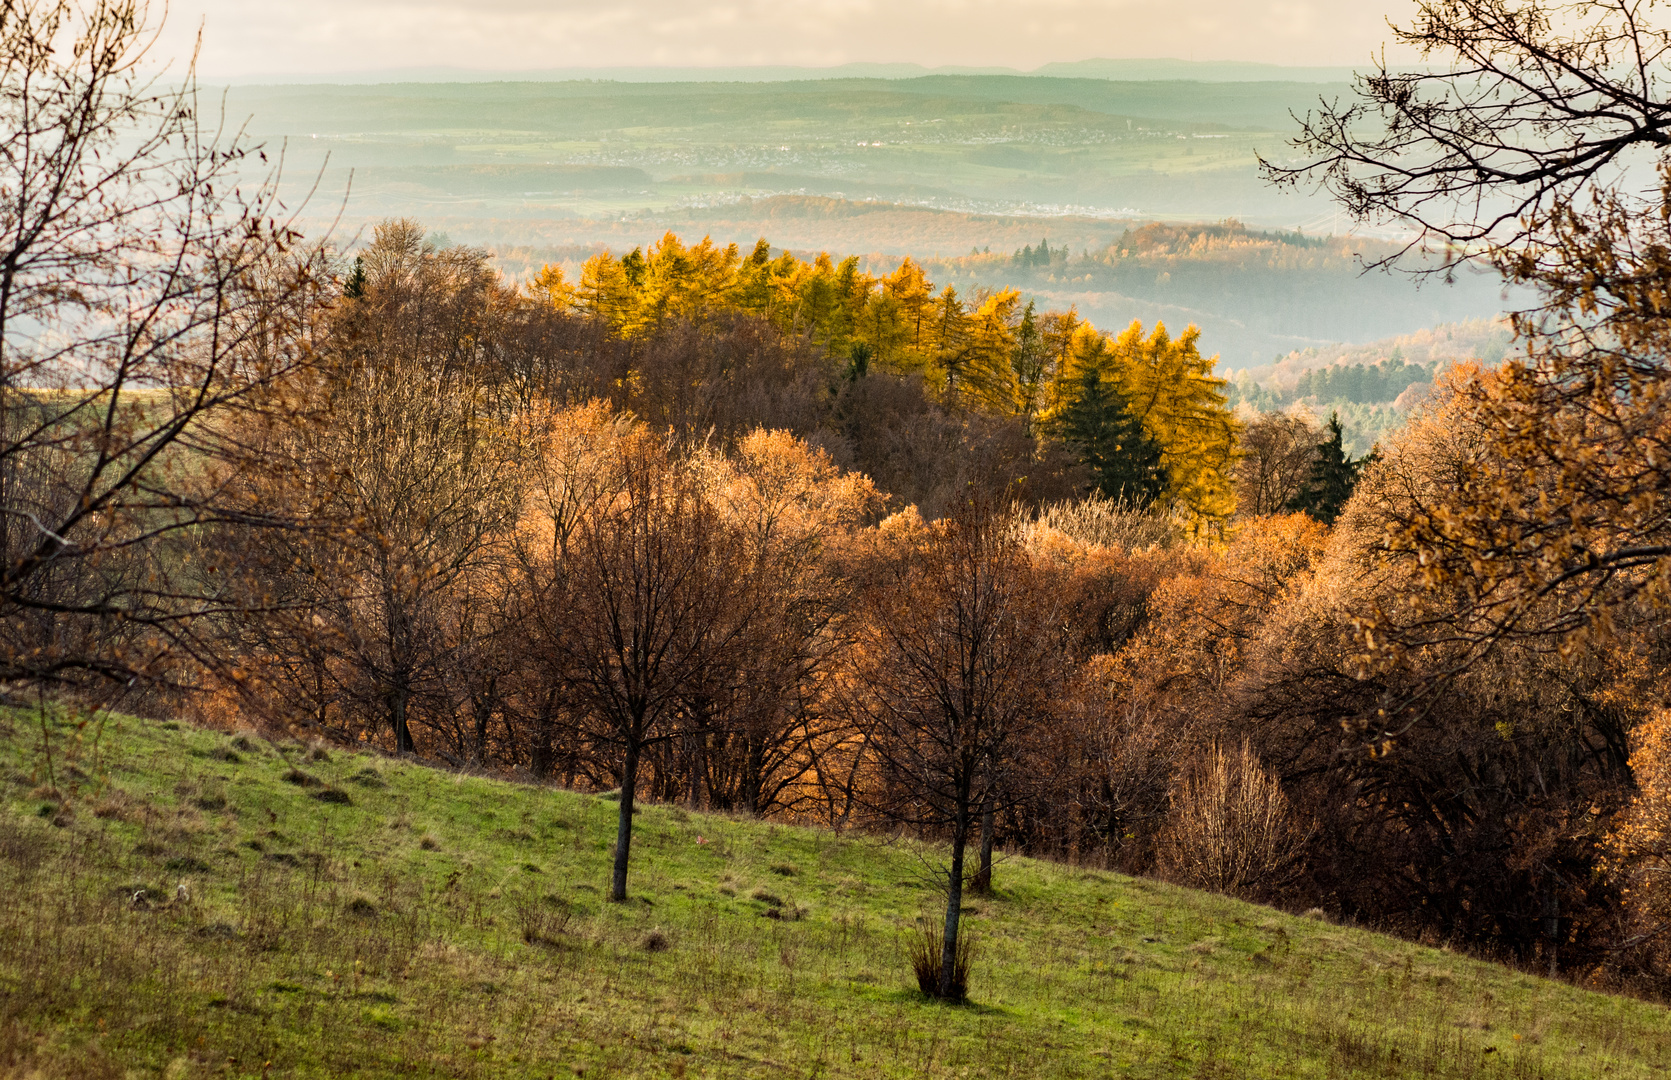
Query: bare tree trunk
[542, 754]
[982, 883]
[754, 779]
[1552, 929]
[700, 746]
[397, 713]
[696, 747]
[954, 903]
[483, 710]
[623, 831]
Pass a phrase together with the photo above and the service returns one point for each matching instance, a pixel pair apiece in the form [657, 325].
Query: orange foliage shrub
[1639, 847]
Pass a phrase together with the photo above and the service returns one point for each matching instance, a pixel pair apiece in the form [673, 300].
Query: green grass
[444, 925]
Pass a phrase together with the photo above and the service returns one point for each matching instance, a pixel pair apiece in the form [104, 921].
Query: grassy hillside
[193, 904]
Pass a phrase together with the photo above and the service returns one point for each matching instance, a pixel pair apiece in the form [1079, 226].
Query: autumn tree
[1274, 460]
[413, 478]
[956, 661]
[151, 301]
[762, 721]
[573, 464]
[896, 321]
[1485, 816]
[987, 372]
[1169, 388]
[642, 592]
[548, 288]
[1558, 522]
[1181, 405]
[1639, 847]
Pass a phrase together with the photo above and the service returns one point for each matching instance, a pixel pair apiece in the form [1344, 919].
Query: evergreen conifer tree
[1030, 360]
[1333, 476]
[636, 266]
[859, 355]
[354, 285]
[1124, 459]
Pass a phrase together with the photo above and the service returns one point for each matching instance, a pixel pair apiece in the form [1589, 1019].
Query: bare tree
[1533, 106]
[415, 480]
[959, 659]
[1273, 462]
[639, 595]
[144, 305]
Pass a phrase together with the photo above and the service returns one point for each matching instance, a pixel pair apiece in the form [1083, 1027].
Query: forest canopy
[984, 352]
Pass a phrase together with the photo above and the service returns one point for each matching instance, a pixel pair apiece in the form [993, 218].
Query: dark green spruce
[1333, 476]
[1123, 458]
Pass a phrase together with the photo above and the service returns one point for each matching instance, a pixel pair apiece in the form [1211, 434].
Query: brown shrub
[1231, 830]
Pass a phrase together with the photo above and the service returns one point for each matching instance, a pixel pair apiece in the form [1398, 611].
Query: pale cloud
[246, 37]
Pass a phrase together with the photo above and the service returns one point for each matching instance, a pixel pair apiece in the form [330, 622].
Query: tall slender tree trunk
[542, 754]
[623, 831]
[982, 884]
[699, 744]
[697, 747]
[754, 775]
[954, 902]
[397, 714]
[483, 716]
[1552, 929]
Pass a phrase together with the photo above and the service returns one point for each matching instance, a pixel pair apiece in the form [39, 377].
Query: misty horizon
[241, 39]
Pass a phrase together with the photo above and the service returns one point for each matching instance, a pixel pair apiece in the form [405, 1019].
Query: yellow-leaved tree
[687, 282]
[988, 369]
[608, 292]
[550, 287]
[1171, 388]
[1168, 387]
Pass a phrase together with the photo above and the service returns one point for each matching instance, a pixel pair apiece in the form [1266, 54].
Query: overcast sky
[301, 37]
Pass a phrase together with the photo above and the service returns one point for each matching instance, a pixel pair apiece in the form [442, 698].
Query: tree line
[984, 354]
[1363, 384]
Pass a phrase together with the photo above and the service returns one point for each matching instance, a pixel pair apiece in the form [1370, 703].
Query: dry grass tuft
[926, 952]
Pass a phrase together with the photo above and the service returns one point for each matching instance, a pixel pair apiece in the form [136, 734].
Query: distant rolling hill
[932, 166]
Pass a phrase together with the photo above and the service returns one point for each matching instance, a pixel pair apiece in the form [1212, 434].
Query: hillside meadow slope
[186, 903]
